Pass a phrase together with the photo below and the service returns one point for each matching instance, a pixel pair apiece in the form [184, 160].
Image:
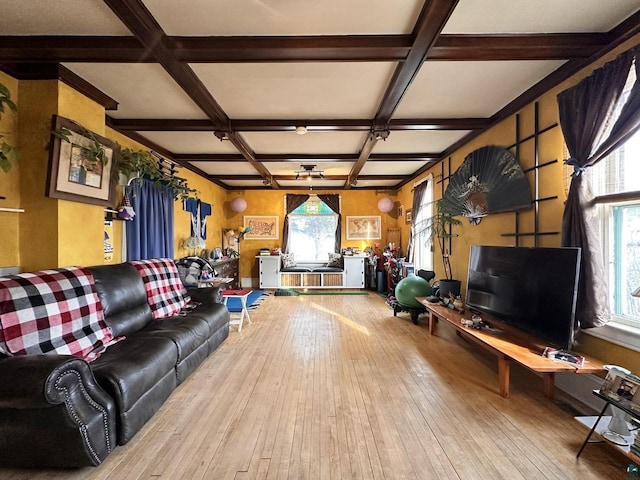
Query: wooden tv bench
[513, 344]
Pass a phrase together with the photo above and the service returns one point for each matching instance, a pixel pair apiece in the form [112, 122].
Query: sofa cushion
[187, 333]
[328, 269]
[123, 298]
[296, 269]
[129, 369]
[52, 311]
[336, 260]
[288, 260]
[165, 292]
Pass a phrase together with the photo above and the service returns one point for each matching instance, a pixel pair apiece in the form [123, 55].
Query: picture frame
[623, 388]
[364, 227]
[400, 211]
[263, 227]
[408, 215]
[72, 174]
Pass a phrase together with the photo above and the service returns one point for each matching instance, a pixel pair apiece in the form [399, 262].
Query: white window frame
[299, 258]
[426, 254]
[620, 330]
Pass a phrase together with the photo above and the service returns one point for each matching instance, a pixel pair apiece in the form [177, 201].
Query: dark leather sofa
[58, 410]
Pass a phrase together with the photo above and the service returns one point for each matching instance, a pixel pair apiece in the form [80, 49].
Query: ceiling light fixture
[381, 134]
[308, 172]
[221, 135]
[301, 130]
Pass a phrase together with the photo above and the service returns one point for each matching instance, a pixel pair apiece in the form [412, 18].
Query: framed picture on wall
[263, 227]
[364, 227]
[81, 165]
[407, 215]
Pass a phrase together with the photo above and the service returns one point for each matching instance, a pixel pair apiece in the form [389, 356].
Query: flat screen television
[533, 289]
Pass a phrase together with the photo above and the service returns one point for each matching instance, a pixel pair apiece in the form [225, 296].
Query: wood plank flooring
[336, 387]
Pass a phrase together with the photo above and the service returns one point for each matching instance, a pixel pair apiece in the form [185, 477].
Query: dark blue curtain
[150, 234]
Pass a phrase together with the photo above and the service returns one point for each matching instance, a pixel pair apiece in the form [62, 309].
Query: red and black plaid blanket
[165, 292]
[51, 311]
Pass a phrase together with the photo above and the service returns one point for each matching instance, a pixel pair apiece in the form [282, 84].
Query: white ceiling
[261, 98]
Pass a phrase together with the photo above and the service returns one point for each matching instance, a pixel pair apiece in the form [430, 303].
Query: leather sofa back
[123, 297]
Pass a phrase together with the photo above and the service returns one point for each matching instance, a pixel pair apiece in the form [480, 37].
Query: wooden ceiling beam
[329, 48]
[315, 125]
[433, 17]
[295, 158]
[136, 17]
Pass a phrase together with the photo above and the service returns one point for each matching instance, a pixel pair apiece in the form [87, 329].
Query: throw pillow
[288, 261]
[51, 311]
[165, 292]
[335, 260]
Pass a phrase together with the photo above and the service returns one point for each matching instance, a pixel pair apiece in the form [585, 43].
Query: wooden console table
[512, 345]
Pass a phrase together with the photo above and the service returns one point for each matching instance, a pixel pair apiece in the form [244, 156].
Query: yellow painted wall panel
[39, 224]
[10, 184]
[80, 225]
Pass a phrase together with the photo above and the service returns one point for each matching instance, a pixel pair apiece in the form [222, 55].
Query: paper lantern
[385, 204]
[238, 204]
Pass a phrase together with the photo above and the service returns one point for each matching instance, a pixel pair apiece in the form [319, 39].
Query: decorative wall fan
[488, 181]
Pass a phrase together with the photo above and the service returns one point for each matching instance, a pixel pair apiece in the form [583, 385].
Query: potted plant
[8, 153]
[141, 163]
[441, 232]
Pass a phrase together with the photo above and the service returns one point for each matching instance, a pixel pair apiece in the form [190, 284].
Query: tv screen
[534, 289]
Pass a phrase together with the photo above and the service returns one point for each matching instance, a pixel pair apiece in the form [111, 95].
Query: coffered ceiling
[384, 88]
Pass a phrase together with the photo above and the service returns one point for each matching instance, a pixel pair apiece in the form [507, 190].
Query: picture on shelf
[407, 215]
[621, 387]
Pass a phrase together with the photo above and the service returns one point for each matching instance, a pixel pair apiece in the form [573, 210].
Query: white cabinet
[269, 267]
[354, 272]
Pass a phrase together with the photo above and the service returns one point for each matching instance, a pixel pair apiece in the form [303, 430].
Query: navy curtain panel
[587, 110]
[150, 234]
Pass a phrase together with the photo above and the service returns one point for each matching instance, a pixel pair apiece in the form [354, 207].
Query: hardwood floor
[336, 387]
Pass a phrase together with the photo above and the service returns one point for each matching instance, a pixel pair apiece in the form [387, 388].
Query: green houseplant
[8, 153]
[142, 163]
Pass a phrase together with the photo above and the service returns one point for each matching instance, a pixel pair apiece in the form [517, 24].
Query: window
[422, 241]
[312, 231]
[615, 182]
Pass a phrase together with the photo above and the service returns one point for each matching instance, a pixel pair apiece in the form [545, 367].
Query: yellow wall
[551, 181]
[54, 233]
[271, 202]
[10, 184]
[39, 224]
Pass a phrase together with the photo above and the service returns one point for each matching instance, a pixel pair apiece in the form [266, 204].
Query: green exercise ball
[411, 287]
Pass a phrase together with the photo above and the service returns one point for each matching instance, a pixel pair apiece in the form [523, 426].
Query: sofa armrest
[53, 405]
[28, 381]
[205, 295]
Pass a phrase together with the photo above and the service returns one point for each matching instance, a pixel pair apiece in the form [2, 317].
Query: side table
[242, 295]
[594, 423]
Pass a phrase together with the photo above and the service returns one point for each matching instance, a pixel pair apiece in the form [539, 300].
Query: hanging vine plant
[94, 151]
[142, 163]
[8, 153]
